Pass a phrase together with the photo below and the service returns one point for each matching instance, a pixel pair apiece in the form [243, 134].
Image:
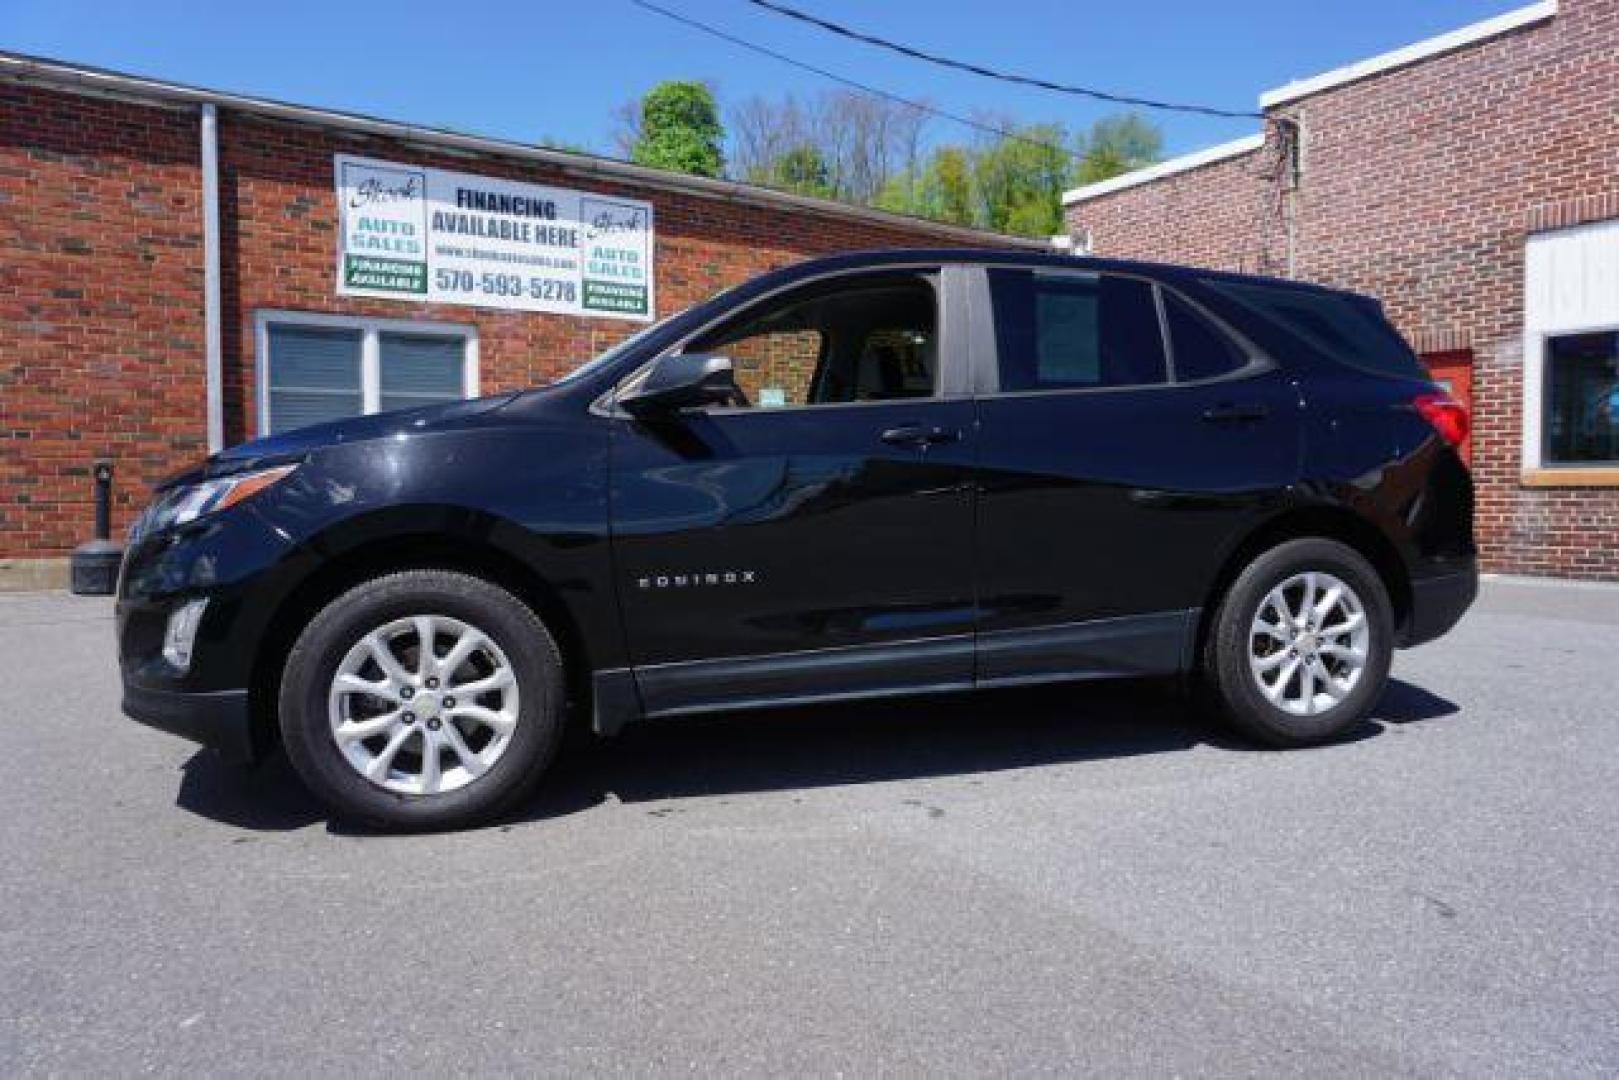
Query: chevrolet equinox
[886, 473]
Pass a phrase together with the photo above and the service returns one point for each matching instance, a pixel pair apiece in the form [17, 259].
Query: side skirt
[900, 667]
[1157, 644]
[1160, 643]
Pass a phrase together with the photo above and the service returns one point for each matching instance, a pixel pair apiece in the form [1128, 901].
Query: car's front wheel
[1300, 647]
[423, 699]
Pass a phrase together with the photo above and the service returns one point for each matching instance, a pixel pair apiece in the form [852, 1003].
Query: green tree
[1136, 140]
[680, 130]
[1020, 179]
[940, 188]
[802, 169]
[1118, 144]
[947, 186]
[554, 142]
[1102, 163]
[900, 194]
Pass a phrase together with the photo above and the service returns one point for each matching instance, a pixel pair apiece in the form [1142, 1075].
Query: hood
[295, 444]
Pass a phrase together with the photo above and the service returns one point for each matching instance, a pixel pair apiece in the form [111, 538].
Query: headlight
[183, 504]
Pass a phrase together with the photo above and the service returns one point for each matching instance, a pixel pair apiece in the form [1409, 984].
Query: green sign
[385, 275]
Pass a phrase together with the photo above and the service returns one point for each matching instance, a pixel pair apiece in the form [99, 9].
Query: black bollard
[95, 563]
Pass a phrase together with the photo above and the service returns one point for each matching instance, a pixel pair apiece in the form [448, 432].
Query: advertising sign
[409, 233]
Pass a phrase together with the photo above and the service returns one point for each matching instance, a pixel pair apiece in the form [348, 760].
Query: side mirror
[682, 381]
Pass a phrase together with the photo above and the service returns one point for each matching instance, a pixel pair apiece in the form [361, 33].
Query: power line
[863, 87]
[991, 73]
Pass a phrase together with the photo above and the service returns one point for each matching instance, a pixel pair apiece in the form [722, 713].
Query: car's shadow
[809, 747]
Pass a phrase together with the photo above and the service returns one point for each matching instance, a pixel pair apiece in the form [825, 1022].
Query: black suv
[884, 473]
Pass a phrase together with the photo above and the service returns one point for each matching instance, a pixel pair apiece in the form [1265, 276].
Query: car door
[1118, 468]
[814, 537]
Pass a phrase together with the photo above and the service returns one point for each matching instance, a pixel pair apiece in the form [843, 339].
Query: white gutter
[1244, 145]
[213, 347]
[1409, 54]
[61, 75]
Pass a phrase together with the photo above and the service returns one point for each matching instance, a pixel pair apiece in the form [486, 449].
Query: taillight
[1446, 415]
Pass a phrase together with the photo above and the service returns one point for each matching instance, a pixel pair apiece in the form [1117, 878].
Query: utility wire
[863, 87]
[991, 73]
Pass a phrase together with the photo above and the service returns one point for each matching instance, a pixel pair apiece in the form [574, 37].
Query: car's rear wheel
[424, 699]
[1300, 647]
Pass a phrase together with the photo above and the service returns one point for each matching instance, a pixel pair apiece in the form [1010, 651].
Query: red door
[1454, 371]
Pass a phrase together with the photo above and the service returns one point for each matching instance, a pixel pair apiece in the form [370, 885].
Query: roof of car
[854, 260]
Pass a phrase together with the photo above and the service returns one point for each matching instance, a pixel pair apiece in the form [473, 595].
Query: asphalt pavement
[1085, 880]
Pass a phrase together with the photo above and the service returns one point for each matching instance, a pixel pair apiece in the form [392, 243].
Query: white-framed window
[313, 368]
[1579, 398]
[1571, 352]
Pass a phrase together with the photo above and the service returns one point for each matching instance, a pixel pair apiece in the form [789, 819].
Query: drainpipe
[1292, 168]
[212, 343]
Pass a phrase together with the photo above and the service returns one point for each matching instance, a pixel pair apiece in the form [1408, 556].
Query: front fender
[567, 573]
[528, 499]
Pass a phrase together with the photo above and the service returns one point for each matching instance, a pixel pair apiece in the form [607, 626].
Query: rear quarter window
[1349, 329]
[1201, 349]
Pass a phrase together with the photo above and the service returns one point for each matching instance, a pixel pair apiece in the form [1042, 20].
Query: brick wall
[101, 344]
[784, 360]
[1221, 215]
[101, 285]
[1420, 186]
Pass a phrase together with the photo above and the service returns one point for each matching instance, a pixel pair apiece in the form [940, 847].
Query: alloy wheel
[423, 705]
[1308, 643]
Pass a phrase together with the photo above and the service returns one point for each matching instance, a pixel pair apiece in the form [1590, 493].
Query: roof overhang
[75, 78]
[1235, 148]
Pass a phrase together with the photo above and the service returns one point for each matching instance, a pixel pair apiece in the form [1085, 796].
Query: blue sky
[556, 69]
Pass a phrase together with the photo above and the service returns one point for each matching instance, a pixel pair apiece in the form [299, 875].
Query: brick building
[1472, 182]
[171, 277]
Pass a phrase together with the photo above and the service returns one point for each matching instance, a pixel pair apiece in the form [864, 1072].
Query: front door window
[871, 340]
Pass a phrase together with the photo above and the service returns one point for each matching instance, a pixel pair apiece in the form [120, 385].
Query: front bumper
[1437, 604]
[218, 718]
[226, 560]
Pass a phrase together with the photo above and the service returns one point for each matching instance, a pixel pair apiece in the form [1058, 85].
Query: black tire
[1226, 668]
[501, 617]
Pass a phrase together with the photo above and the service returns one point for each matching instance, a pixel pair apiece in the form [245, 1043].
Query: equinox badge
[691, 581]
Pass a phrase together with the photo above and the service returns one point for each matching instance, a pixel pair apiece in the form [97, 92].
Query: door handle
[1231, 413]
[919, 436]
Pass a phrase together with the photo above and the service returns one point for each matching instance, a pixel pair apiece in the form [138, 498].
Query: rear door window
[1349, 329]
[1075, 331]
